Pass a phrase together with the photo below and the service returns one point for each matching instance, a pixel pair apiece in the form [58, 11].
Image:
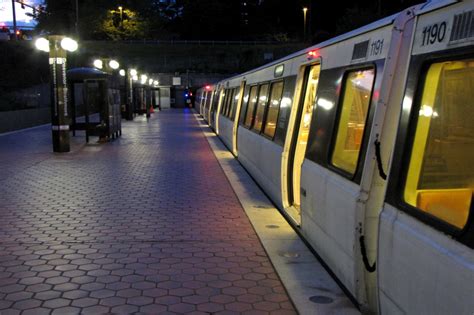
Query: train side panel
[426, 234]
[225, 131]
[262, 158]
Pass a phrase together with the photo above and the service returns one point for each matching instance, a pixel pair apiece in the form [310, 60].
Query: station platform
[160, 220]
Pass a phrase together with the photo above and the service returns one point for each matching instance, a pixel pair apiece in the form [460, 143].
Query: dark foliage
[280, 20]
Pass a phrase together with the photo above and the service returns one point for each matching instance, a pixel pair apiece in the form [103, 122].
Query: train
[365, 144]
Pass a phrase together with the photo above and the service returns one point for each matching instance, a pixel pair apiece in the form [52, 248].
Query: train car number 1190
[433, 33]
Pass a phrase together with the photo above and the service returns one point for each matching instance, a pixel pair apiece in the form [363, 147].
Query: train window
[245, 103]
[208, 100]
[273, 109]
[353, 113]
[252, 103]
[262, 103]
[225, 97]
[231, 102]
[235, 101]
[440, 179]
[215, 101]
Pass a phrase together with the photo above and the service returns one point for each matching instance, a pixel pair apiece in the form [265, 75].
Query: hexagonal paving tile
[56, 303]
[85, 302]
[113, 301]
[82, 239]
[125, 309]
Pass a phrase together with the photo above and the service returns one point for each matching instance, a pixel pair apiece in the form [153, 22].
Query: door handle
[303, 192]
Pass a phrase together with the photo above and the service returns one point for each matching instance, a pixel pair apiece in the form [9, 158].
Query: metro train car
[365, 143]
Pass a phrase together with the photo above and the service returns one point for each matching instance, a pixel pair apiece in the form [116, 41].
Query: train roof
[435, 4]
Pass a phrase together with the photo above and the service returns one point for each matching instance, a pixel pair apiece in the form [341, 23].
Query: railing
[200, 42]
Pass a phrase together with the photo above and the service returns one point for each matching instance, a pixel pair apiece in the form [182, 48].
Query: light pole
[57, 46]
[15, 36]
[121, 15]
[304, 23]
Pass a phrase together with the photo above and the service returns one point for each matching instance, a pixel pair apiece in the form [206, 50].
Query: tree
[124, 25]
[58, 17]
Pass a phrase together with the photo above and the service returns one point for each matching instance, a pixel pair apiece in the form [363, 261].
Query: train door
[236, 117]
[212, 118]
[218, 103]
[426, 231]
[207, 107]
[300, 139]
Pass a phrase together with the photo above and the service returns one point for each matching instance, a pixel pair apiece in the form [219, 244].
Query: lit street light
[121, 15]
[57, 46]
[114, 64]
[304, 23]
[42, 44]
[69, 44]
[98, 64]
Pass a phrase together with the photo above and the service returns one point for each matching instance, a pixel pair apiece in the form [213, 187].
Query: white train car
[227, 111]
[205, 99]
[426, 228]
[319, 129]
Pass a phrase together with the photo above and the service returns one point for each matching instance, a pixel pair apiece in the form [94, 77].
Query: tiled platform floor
[147, 223]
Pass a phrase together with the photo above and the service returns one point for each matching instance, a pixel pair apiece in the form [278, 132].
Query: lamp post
[121, 15]
[57, 46]
[129, 93]
[304, 23]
